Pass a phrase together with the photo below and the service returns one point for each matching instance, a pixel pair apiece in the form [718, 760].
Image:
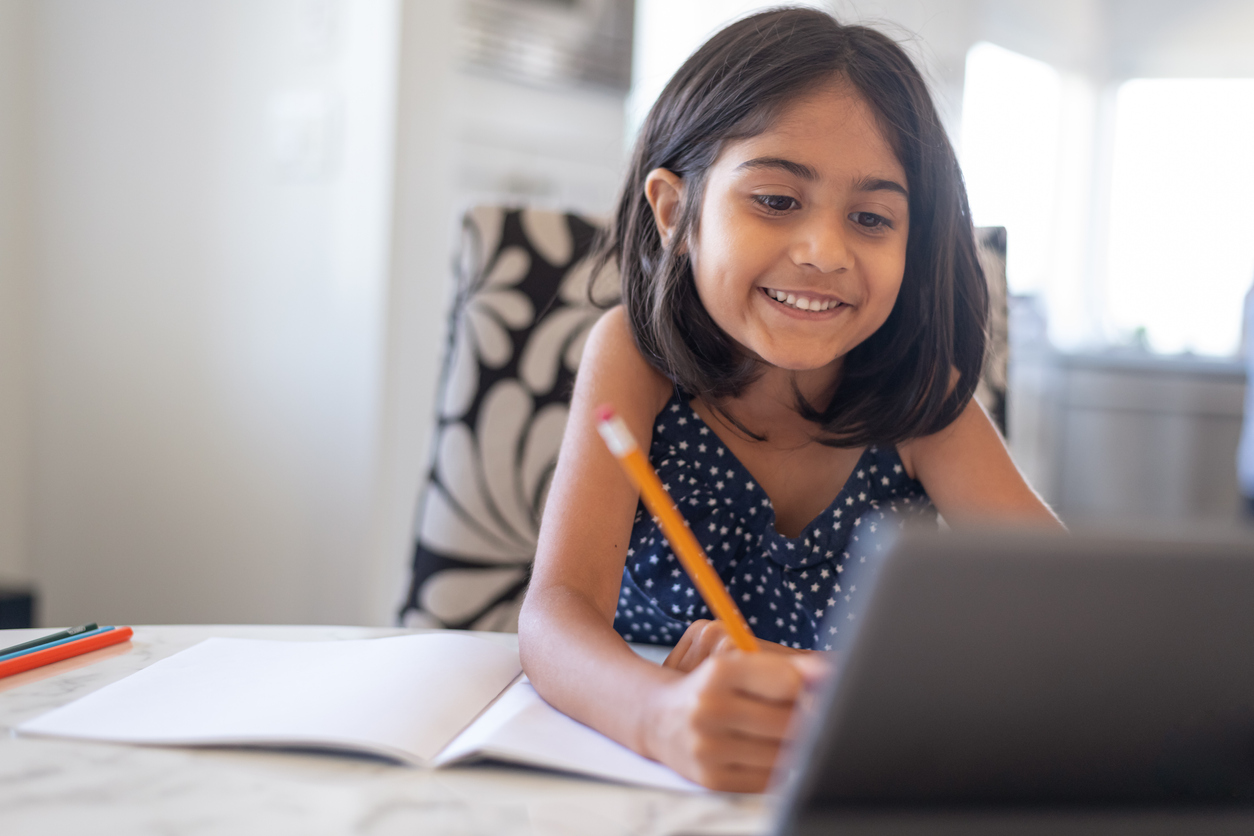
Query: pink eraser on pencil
[604, 412]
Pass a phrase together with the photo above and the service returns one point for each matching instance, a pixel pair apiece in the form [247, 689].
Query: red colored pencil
[64, 651]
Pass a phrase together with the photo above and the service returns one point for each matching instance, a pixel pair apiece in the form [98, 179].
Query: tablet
[999, 674]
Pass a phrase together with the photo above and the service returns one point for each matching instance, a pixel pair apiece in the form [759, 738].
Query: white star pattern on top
[721, 502]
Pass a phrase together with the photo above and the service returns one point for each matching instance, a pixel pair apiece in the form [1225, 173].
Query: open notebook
[429, 699]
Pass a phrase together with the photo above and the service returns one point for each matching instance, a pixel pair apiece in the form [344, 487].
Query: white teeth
[801, 303]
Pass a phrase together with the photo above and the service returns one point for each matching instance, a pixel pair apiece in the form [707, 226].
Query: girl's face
[802, 236]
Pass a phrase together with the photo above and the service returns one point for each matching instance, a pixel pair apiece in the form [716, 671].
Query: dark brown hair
[895, 385]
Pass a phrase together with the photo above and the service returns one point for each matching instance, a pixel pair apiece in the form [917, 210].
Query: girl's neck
[768, 406]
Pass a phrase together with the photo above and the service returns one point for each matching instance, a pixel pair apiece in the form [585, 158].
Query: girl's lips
[807, 302]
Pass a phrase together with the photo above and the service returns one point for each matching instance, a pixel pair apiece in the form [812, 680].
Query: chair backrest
[517, 332]
[990, 243]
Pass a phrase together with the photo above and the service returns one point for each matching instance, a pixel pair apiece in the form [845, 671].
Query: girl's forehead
[832, 101]
[832, 120]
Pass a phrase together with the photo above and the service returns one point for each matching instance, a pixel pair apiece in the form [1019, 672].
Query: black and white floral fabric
[517, 332]
[990, 242]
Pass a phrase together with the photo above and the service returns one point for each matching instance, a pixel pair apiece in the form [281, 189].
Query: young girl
[801, 331]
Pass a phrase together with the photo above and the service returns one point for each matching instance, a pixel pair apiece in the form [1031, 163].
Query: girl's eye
[870, 220]
[776, 202]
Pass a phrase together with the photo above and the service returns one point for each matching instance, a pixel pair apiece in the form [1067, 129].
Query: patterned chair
[518, 327]
[990, 242]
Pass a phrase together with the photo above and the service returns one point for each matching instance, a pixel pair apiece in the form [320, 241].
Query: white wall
[233, 349]
[16, 148]
[208, 313]
[419, 291]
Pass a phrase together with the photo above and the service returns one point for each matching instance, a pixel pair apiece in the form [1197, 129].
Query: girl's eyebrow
[805, 172]
[879, 184]
[801, 170]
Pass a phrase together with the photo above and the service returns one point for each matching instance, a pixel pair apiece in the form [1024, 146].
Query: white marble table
[54, 787]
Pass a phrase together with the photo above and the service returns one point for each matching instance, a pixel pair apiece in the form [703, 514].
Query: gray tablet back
[1016, 671]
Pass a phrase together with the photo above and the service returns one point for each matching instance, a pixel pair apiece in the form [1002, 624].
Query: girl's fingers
[814, 668]
[702, 639]
[724, 723]
[749, 696]
[750, 719]
[705, 638]
[735, 778]
[680, 650]
[732, 751]
[772, 647]
[772, 677]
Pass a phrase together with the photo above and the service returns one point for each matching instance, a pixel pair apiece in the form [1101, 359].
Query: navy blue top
[794, 591]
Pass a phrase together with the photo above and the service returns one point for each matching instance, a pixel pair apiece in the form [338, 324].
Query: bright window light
[1011, 111]
[667, 32]
[1182, 215]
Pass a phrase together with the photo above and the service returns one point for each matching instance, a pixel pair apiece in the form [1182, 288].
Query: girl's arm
[721, 724]
[969, 475]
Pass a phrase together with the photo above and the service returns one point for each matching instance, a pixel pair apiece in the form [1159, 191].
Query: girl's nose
[822, 244]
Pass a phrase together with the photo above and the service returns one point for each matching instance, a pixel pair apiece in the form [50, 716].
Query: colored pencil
[624, 447]
[95, 640]
[52, 637]
[38, 648]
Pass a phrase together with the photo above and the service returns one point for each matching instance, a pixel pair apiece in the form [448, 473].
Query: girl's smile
[801, 244]
[803, 301]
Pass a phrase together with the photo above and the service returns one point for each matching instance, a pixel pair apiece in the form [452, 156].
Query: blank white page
[521, 727]
[404, 697]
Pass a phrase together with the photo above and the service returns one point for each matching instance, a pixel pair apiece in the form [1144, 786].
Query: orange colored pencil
[624, 447]
[63, 651]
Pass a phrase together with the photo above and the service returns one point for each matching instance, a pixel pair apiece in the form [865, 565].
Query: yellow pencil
[624, 447]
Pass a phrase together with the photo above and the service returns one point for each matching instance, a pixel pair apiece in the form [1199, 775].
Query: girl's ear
[664, 190]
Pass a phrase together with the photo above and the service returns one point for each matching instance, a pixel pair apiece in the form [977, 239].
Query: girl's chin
[798, 358]
[799, 362]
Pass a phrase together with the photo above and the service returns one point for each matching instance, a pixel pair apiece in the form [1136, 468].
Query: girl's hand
[705, 638]
[723, 724]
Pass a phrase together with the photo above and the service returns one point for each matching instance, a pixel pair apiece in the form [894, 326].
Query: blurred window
[1011, 122]
[1181, 248]
[668, 31]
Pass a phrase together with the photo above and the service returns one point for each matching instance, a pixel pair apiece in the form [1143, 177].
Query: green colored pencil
[64, 634]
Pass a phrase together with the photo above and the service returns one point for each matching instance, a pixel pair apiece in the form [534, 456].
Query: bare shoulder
[968, 433]
[969, 475]
[967, 422]
[591, 503]
[613, 371]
